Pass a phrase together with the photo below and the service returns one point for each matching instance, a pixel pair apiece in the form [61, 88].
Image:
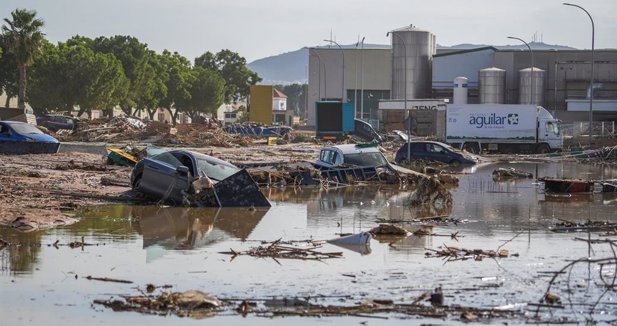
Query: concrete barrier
[92, 148]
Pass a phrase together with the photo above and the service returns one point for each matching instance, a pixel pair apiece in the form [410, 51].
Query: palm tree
[24, 40]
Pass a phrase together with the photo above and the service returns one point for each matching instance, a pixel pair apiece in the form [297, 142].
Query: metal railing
[580, 129]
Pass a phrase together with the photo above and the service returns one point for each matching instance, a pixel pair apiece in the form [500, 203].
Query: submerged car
[177, 175]
[348, 163]
[432, 151]
[362, 155]
[24, 138]
[55, 122]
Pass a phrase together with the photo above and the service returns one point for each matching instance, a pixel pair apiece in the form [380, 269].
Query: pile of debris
[192, 303]
[303, 250]
[431, 191]
[454, 253]
[104, 130]
[203, 135]
[501, 174]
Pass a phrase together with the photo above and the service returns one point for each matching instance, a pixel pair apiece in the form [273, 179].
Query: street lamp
[405, 89]
[362, 81]
[533, 89]
[343, 70]
[592, 67]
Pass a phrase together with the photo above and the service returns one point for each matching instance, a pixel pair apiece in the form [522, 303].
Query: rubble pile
[190, 303]
[510, 173]
[103, 130]
[203, 135]
[430, 191]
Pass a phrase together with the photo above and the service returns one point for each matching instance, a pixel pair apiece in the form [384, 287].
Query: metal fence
[579, 129]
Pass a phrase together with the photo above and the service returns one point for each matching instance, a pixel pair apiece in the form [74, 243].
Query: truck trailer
[503, 128]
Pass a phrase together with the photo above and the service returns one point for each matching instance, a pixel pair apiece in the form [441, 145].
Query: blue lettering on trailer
[493, 120]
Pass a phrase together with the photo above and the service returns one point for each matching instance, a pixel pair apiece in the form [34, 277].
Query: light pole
[355, 83]
[362, 81]
[342, 71]
[405, 90]
[533, 89]
[592, 67]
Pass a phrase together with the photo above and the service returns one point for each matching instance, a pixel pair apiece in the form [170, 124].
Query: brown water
[181, 247]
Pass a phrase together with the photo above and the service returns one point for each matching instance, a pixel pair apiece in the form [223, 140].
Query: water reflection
[189, 228]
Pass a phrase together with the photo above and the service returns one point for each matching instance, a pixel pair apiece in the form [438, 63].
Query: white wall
[377, 73]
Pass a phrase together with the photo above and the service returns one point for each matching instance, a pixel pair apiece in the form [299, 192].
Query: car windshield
[25, 129]
[365, 159]
[168, 158]
[216, 170]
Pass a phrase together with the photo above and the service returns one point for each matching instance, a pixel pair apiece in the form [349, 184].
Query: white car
[360, 155]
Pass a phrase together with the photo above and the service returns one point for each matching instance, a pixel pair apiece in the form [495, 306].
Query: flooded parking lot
[184, 247]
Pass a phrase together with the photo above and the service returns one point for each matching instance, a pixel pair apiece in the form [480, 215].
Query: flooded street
[183, 247]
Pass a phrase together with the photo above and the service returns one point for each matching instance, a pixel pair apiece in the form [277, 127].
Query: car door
[418, 151]
[160, 177]
[438, 153]
[5, 133]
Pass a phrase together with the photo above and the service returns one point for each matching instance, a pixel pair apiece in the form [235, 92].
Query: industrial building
[413, 68]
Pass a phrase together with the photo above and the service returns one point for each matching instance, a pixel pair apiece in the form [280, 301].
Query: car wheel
[455, 162]
[137, 182]
[542, 149]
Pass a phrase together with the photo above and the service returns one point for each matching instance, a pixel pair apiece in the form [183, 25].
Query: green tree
[9, 76]
[75, 75]
[47, 81]
[178, 83]
[135, 58]
[154, 89]
[232, 67]
[23, 38]
[207, 92]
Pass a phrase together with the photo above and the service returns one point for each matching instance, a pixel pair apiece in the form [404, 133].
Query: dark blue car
[171, 175]
[24, 138]
[433, 151]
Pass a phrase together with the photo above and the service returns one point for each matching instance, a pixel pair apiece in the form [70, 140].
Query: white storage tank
[416, 47]
[525, 86]
[492, 85]
[460, 90]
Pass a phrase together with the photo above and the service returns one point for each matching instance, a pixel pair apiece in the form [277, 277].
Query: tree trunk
[8, 101]
[81, 112]
[151, 113]
[173, 116]
[21, 99]
[126, 109]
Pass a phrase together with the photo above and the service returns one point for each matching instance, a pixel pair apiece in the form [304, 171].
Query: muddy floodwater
[45, 284]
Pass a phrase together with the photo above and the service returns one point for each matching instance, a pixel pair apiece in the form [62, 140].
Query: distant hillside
[286, 68]
[290, 67]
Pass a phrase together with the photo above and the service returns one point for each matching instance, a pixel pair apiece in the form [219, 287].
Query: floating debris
[107, 279]
[288, 250]
[195, 304]
[388, 229]
[510, 173]
[454, 253]
[432, 192]
[587, 226]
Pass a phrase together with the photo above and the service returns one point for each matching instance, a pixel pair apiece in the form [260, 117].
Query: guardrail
[580, 129]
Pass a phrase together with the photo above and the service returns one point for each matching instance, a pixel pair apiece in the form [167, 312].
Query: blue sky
[260, 28]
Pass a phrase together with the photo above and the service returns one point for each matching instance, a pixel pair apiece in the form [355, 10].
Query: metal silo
[459, 93]
[492, 85]
[524, 86]
[417, 47]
